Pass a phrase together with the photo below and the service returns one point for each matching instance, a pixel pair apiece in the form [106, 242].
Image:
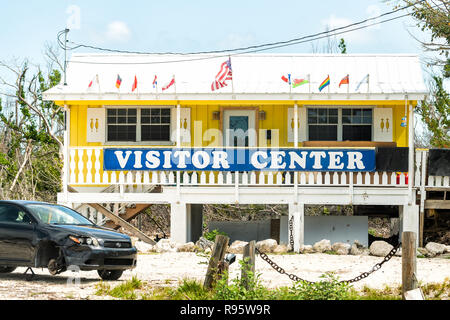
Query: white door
[239, 128]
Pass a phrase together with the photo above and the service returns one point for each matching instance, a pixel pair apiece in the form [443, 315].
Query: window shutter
[184, 124]
[96, 129]
[383, 124]
[301, 124]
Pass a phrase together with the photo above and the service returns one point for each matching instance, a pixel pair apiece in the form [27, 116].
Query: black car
[43, 235]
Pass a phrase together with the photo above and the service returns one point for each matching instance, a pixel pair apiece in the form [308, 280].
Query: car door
[17, 233]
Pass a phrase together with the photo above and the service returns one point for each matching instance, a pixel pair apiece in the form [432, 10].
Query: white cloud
[233, 41]
[358, 36]
[118, 31]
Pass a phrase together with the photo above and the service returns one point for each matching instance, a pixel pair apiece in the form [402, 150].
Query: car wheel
[110, 274]
[7, 269]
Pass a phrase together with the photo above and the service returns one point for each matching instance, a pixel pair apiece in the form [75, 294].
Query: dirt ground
[169, 268]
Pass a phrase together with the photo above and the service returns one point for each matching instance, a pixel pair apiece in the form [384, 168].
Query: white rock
[306, 248]
[203, 243]
[380, 248]
[165, 245]
[143, 247]
[237, 247]
[186, 247]
[281, 249]
[266, 246]
[435, 249]
[358, 249]
[341, 248]
[322, 246]
[447, 249]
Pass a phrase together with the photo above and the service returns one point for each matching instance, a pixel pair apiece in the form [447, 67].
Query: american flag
[223, 76]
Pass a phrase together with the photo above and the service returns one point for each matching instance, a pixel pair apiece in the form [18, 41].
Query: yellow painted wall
[276, 116]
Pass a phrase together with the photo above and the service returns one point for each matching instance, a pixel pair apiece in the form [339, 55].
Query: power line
[249, 47]
[235, 54]
[245, 50]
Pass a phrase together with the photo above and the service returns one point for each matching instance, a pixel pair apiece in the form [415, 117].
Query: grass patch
[125, 291]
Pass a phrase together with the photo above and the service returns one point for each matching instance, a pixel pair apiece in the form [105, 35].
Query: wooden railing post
[249, 263]
[409, 280]
[217, 256]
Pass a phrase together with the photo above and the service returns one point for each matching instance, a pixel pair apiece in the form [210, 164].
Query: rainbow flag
[325, 83]
[299, 82]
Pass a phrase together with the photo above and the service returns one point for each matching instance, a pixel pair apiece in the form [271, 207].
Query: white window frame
[339, 124]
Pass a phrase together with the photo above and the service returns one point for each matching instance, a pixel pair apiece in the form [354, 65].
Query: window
[138, 124]
[155, 124]
[13, 214]
[357, 124]
[323, 124]
[122, 124]
[340, 124]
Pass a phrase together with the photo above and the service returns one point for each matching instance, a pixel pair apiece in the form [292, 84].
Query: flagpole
[232, 79]
[348, 87]
[98, 82]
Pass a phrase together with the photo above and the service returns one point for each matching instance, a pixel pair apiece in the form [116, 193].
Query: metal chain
[363, 275]
[291, 235]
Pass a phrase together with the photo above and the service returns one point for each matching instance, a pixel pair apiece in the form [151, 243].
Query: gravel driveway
[168, 268]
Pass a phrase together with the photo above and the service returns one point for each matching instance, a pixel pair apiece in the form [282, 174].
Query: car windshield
[53, 214]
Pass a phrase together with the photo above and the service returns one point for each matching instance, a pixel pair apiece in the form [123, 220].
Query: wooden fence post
[217, 256]
[249, 260]
[409, 280]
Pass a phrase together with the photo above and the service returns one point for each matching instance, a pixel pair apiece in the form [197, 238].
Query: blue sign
[235, 159]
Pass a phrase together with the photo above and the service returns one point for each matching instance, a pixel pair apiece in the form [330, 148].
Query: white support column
[297, 211]
[411, 155]
[65, 176]
[180, 222]
[409, 219]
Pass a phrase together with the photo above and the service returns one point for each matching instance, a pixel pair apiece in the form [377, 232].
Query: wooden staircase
[128, 215]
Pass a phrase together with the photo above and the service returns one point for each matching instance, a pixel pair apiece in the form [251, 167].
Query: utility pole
[66, 32]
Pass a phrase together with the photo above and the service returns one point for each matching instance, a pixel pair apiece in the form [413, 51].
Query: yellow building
[165, 136]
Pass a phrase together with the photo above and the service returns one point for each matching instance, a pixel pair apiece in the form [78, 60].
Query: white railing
[86, 169]
[422, 179]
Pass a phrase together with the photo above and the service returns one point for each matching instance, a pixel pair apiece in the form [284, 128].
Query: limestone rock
[322, 246]
[281, 249]
[341, 248]
[435, 249]
[358, 249]
[143, 247]
[306, 248]
[380, 248]
[186, 247]
[204, 243]
[165, 245]
[237, 247]
[266, 246]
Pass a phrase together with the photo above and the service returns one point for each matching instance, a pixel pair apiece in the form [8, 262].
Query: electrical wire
[237, 51]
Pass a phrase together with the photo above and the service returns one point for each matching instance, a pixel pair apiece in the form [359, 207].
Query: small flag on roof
[324, 83]
[155, 81]
[92, 81]
[345, 80]
[364, 80]
[134, 87]
[118, 82]
[299, 82]
[171, 83]
[286, 79]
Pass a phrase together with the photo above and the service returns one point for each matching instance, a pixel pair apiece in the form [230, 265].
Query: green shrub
[211, 235]
[328, 289]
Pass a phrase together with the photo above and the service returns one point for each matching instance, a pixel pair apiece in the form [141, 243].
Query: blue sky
[183, 26]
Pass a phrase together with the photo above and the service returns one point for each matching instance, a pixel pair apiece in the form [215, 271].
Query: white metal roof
[255, 77]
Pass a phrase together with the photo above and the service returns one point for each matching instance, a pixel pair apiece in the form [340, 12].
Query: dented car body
[43, 235]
